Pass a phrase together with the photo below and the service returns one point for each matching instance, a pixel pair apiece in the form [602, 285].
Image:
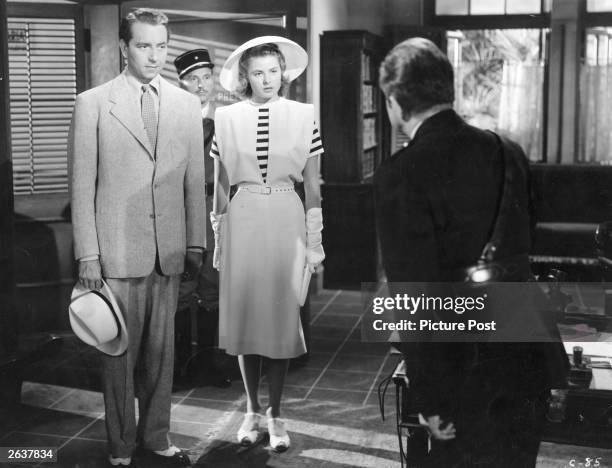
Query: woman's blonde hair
[244, 88]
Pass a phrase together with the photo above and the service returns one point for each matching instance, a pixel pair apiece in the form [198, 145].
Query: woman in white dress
[265, 238]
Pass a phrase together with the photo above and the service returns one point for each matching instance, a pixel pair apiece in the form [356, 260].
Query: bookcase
[352, 105]
[355, 133]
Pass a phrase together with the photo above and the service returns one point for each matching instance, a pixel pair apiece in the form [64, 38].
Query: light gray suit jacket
[128, 203]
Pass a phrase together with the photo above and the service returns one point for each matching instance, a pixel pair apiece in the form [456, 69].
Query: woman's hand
[216, 221]
[314, 249]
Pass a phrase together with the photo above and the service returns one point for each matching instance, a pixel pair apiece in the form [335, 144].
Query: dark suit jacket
[436, 203]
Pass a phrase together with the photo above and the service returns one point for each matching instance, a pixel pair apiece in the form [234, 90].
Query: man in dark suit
[436, 204]
[195, 71]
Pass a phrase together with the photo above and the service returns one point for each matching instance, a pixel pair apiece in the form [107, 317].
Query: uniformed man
[195, 71]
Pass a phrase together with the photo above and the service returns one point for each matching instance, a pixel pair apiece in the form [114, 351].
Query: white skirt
[262, 262]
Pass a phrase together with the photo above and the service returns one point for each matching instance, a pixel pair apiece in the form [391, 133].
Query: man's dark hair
[418, 75]
[143, 15]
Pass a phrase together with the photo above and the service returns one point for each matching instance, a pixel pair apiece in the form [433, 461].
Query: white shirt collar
[136, 86]
[205, 110]
[415, 129]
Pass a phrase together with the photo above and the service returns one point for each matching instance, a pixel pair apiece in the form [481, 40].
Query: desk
[588, 410]
[600, 351]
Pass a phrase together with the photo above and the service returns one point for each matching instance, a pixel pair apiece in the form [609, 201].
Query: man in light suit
[136, 174]
[195, 72]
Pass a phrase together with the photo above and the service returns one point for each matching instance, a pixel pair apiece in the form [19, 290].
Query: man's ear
[395, 108]
[123, 46]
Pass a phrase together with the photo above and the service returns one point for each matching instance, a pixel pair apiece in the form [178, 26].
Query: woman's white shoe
[249, 429]
[279, 439]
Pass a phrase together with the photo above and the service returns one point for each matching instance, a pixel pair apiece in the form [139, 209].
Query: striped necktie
[149, 116]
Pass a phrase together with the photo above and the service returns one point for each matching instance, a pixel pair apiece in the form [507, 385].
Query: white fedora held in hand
[296, 60]
[97, 320]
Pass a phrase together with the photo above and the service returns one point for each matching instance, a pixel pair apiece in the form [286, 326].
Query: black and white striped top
[316, 146]
[263, 139]
[263, 134]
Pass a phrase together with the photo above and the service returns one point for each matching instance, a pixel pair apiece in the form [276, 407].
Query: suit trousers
[208, 284]
[145, 370]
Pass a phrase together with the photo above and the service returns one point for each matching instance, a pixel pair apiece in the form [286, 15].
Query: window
[595, 124]
[493, 7]
[499, 82]
[569, 91]
[498, 52]
[599, 5]
[43, 86]
[596, 97]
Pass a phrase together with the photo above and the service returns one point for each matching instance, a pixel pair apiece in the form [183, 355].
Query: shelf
[349, 87]
[349, 61]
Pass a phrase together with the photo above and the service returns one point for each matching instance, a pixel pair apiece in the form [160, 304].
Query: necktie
[149, 116]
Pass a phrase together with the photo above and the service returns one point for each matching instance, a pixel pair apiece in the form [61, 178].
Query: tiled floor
[330, 406]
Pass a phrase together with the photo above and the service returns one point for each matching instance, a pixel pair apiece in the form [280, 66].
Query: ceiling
[203, 9]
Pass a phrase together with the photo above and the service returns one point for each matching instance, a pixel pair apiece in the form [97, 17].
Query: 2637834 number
[28, 454]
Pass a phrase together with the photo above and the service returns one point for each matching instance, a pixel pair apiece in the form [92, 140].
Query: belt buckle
[266, 190]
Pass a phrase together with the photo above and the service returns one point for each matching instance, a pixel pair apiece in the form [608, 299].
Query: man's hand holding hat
[90, 274]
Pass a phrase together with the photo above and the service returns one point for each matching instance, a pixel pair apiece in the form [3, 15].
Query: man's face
[199, 82]
[147, 50]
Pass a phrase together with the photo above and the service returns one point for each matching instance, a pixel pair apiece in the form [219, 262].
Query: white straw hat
[296, 60]
[97, 320]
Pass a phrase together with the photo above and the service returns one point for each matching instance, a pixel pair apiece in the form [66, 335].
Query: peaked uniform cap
[192, 60]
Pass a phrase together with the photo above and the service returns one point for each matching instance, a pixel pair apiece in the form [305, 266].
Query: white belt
[265, 189]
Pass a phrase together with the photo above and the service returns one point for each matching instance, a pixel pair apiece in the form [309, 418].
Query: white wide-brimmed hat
[97, 320]
[296, 60]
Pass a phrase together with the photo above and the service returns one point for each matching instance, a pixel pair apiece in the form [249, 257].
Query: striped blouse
[263, 127]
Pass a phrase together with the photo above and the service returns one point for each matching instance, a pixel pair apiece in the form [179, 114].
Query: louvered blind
[42, 80]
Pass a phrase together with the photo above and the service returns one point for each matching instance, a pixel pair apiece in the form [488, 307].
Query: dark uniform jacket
[205, 286]
[208, 125]
[436, 203]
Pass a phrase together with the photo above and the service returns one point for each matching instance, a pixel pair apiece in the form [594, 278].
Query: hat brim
[113, 347]
[296, 60]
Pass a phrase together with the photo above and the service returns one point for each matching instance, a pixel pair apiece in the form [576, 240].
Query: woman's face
[265, 77]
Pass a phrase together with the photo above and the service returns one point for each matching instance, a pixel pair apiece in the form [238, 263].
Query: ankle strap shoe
[249, 429]
[279, 439]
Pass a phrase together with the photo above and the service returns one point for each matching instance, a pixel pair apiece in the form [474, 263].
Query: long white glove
[314, 248]
[216, 221]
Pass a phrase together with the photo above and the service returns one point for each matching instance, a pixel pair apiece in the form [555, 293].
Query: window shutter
[42, 78]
